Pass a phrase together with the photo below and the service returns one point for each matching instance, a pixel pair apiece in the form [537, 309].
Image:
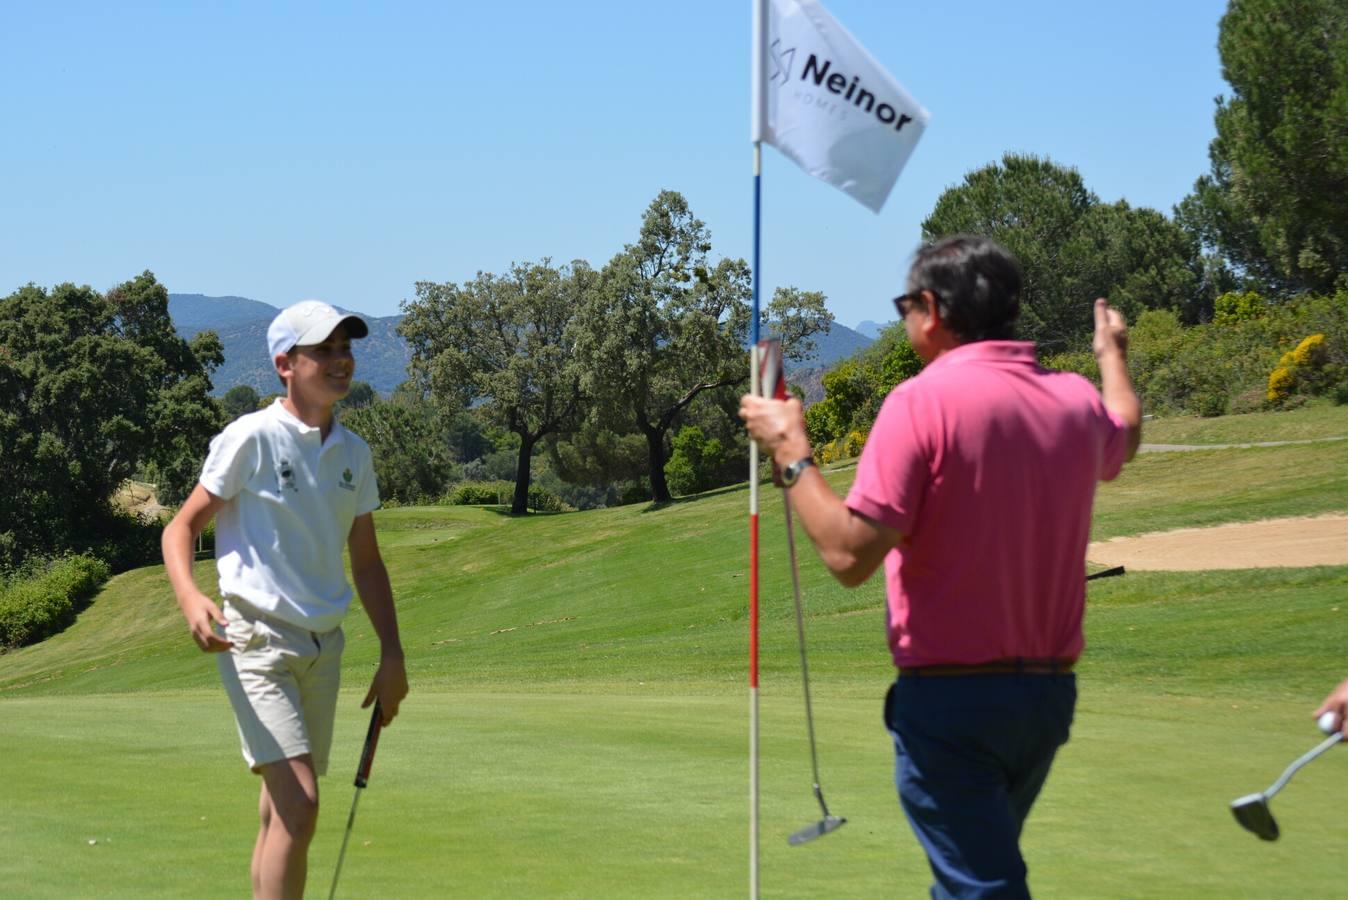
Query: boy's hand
[389, 685]
[202, 616]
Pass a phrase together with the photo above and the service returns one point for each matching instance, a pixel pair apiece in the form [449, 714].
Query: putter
[830, 822]
[362, 779]
[1252, 811]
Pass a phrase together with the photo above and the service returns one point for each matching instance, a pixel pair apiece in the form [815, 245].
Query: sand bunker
[1271, 543]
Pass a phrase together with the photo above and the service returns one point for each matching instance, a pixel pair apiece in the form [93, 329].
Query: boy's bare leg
[264, 815]
[288, 810]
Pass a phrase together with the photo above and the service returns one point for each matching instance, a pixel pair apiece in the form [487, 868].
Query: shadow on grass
[693, 498]
[527, 514]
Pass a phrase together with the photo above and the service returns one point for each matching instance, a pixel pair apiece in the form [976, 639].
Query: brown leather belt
[996, 667]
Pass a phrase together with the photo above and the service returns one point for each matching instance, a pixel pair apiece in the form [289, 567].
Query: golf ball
[1329, 722]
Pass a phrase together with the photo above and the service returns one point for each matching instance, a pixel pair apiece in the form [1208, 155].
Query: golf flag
[820, 99]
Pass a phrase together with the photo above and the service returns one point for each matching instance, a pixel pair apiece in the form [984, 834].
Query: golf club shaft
[350, 820]
[1292, 769]
[362, 779]
[800, 634]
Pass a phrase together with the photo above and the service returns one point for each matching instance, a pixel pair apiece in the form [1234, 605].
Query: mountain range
[382, 357]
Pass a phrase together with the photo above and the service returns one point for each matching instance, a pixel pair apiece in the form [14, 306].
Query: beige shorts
[282, 682]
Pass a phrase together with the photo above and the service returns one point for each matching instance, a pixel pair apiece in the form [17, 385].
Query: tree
[1071, 247]
[663, 325]
[361, 394]
[666, 326]
[94, 387]
[1273, 202]
[1138, 259]
[503, 343]
[794, 317]
[855, 388]
[408, 441]
[238, 401]
[598, 456]
[1030, 206]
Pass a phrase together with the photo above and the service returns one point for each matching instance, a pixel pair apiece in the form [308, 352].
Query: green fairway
[578, 725]
[1316, 422]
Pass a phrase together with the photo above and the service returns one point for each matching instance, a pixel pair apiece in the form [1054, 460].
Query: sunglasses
[905, 303]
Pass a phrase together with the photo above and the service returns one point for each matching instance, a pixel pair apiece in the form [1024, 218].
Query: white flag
[821, 99]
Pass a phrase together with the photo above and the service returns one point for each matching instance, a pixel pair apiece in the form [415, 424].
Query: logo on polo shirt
[285, 477]
[345, 484]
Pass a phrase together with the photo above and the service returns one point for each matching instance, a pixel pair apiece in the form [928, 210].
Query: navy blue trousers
[971, 754]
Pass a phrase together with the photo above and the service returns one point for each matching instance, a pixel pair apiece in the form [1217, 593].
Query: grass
[1315, 422]
[578, 726]
[1161, 491]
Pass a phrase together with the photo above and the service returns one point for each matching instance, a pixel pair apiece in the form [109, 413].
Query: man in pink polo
[975, 490]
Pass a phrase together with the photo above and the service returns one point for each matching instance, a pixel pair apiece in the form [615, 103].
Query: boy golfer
[289, 486]
[974, 491]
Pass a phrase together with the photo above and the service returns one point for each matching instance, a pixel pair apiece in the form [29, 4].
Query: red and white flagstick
[755, 387]
[758, 93]
[753, 640]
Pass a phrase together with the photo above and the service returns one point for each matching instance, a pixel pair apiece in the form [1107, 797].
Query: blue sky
[346, 151]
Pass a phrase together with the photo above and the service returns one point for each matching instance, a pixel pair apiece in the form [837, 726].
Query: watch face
[792, 473]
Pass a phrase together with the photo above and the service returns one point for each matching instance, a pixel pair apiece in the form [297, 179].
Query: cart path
[1171, 448]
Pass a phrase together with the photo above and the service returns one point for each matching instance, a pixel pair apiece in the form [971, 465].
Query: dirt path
[1271, 543]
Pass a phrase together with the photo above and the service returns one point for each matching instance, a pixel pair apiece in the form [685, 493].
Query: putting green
[598, 795]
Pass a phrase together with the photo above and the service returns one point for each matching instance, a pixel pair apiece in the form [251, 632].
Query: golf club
[829, 822]
[362, 779]
[1252, 811]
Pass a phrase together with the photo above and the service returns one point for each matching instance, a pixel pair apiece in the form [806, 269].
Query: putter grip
[371, 741]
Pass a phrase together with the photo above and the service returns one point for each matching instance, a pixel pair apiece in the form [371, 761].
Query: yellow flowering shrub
[1280, 383]
[1297, 367]
[1309, 351]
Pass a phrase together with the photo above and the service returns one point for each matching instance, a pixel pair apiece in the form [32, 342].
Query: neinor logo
[861, 98]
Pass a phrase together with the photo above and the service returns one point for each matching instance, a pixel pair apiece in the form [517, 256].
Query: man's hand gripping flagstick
[772, 381]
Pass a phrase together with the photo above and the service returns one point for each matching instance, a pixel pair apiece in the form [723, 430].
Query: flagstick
[753, 555]
[758, 95]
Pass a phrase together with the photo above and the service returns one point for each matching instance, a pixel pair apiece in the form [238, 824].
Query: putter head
[1253, 814]
[816, 829]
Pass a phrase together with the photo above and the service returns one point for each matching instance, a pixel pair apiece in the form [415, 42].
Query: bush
[1248, 401]
[1082, 363]
[1280, 384]
[1232, 308]
[45, 598]
[1210, 404]
[501, 493]
[846, 447]
[543, 500]
[482, 493]
[699, 463]
[129, 542]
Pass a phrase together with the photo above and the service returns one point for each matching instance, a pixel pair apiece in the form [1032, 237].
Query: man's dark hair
[976, 282]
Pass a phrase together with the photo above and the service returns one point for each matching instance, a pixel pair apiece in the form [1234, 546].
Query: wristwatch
[791, 474]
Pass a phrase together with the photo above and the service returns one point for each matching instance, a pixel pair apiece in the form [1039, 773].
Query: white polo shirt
[292, 498]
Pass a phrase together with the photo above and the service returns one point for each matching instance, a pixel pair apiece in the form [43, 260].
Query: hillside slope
[634, 593]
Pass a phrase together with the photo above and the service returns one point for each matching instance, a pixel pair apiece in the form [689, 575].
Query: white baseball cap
[309, 322]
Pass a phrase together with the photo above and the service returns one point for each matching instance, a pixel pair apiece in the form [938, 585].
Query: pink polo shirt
[987, 463]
